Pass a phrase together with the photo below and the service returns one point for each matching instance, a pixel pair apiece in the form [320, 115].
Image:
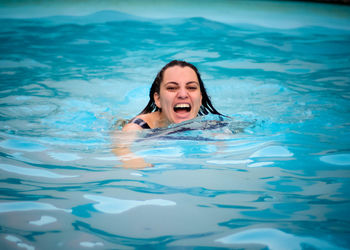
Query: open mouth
[182, 107]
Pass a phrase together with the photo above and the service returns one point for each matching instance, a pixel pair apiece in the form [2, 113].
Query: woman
[176, 95]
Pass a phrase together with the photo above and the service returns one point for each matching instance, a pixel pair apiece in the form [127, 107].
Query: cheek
[197, 103]
[199, 100]
[165, 100]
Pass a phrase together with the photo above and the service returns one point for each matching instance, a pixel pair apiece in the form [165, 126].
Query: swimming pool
[275, 176]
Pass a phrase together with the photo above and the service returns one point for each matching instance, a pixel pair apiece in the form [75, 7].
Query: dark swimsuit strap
[141, 123]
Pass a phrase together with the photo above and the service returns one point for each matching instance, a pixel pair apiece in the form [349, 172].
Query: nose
[182, 93]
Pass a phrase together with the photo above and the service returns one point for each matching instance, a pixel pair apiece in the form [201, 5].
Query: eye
[192, 87]
[171, 88]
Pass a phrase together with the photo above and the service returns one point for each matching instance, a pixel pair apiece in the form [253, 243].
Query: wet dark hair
[206, 108]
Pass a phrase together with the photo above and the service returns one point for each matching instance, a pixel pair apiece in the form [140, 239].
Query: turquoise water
[273, 176]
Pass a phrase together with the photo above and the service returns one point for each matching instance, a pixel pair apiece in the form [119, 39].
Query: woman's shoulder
[131, 127]
[139, 122]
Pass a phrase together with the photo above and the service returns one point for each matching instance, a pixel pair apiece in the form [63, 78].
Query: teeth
[182, 105]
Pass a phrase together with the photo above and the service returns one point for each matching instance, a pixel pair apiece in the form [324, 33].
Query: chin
[179, 120]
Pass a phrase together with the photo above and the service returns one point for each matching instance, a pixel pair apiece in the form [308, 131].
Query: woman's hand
[122, 149]
[136, 163]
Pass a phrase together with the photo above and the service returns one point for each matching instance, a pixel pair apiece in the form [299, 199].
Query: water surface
[275, 175]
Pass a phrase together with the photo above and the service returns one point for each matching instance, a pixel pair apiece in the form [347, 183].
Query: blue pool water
[274, 176]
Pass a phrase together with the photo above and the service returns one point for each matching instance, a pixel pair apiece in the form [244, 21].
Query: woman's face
[179, 96]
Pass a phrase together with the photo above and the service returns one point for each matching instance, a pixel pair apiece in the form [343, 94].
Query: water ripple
[337, 159]
[33, 172]
[275, 239]
[116, 206]
[21, 206]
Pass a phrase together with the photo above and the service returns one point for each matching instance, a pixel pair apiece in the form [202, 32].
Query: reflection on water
[31, 171]
[267, 237]
[116, 206]
[274, 175]
[24, 206]
[44, 220]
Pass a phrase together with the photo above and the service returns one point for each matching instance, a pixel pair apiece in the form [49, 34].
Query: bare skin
[179, 99]
[179, 88]
[123, 151]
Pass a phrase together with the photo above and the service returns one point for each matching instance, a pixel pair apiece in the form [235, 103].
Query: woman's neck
[160, 120]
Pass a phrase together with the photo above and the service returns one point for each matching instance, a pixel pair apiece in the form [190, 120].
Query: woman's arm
[122, 144]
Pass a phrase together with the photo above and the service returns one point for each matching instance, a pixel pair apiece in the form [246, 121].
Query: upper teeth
[182, 105]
